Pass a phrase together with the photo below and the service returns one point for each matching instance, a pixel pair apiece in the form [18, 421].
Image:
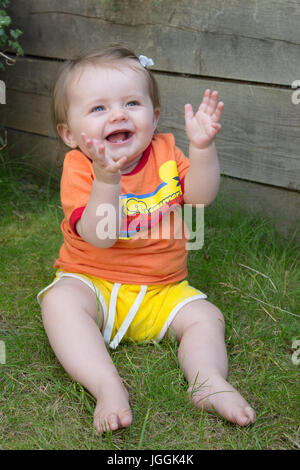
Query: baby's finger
[120, 163]
[218, 112]
[99, 148]
[86, 140]
[188, 113]
[188, 110]
[117, 165]
[95, 147]
[212, 104]
[205, 101]
[216, 126]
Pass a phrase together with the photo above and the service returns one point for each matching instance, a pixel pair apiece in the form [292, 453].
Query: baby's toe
[97, 425]
[250, 413]
[112, 422]
[125, 417]
[246, 416]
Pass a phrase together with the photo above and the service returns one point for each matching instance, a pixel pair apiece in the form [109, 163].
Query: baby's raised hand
[106, 169]
[202, 127]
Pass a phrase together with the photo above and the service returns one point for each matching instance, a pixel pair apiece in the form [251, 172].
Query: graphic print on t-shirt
[140, 212]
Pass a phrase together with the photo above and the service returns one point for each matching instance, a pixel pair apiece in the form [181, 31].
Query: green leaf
[4, 21]
[15, 33]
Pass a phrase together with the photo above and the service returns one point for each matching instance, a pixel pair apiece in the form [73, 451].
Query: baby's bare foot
[216, 394]
[112, 410]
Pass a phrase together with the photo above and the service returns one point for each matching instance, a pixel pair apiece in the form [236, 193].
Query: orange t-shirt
[147, 251]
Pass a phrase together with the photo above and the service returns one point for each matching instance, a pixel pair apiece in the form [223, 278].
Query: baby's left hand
[202, 127]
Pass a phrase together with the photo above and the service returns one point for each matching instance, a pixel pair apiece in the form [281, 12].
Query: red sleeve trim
[182, 184]
[75, 216]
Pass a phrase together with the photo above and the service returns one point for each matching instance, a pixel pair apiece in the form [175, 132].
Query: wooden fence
[249, 50]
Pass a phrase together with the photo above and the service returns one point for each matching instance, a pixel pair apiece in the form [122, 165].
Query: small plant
[8, 37]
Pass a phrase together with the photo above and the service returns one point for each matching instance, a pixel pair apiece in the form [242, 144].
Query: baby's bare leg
[199, 328]
[72, 323]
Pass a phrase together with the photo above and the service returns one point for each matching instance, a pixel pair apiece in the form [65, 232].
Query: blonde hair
[112, 56]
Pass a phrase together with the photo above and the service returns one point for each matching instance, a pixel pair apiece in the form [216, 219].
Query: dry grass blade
[268, 313]
[296, 444]
[261, 274]
[273, 306]
[258, 300]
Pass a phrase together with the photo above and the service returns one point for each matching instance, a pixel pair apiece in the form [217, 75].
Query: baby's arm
[106, 190]
[203, 177]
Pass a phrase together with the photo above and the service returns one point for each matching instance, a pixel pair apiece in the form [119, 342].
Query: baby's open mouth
[118, 137]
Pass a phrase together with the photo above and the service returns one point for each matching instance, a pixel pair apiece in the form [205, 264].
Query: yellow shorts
[131, 311]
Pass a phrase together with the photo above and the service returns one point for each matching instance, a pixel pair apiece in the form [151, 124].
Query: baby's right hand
[106, 169]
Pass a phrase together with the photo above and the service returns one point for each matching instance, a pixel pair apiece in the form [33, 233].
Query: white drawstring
[111, 313]
[128, 319]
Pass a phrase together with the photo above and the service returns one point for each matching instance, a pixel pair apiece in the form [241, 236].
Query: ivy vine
[9, 38]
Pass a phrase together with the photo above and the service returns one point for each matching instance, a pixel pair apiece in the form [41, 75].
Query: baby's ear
[66, 135]
[156, 116]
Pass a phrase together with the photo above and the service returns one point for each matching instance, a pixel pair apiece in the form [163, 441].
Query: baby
[117, 277]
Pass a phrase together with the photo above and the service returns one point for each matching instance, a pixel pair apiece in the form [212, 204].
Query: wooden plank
[42, 156]
[260, 138]
[280, 206]
[259, 141]
[29, 112]
[235, 39]
[29, 86]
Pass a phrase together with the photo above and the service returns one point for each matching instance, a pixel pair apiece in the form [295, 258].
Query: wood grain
[247, 40]
[259, 140]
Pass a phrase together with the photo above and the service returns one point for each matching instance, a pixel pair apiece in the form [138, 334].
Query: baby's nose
[118, 114]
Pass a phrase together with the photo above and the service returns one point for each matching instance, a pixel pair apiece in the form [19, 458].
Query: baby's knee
[199, 313]
[50, 301]
[203, 311]
[213, 313]
[70, 296]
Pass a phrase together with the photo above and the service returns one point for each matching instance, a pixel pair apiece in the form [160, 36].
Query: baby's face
[113, 106]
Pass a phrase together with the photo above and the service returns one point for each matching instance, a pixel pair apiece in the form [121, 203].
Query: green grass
[247, 269]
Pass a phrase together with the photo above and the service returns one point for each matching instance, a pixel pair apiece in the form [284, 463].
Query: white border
[174, 312]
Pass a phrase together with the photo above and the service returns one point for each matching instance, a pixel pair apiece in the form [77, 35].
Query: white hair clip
[145, 61]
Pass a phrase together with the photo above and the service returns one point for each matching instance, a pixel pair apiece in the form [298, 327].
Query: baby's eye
[132, 103]
[97, 108]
